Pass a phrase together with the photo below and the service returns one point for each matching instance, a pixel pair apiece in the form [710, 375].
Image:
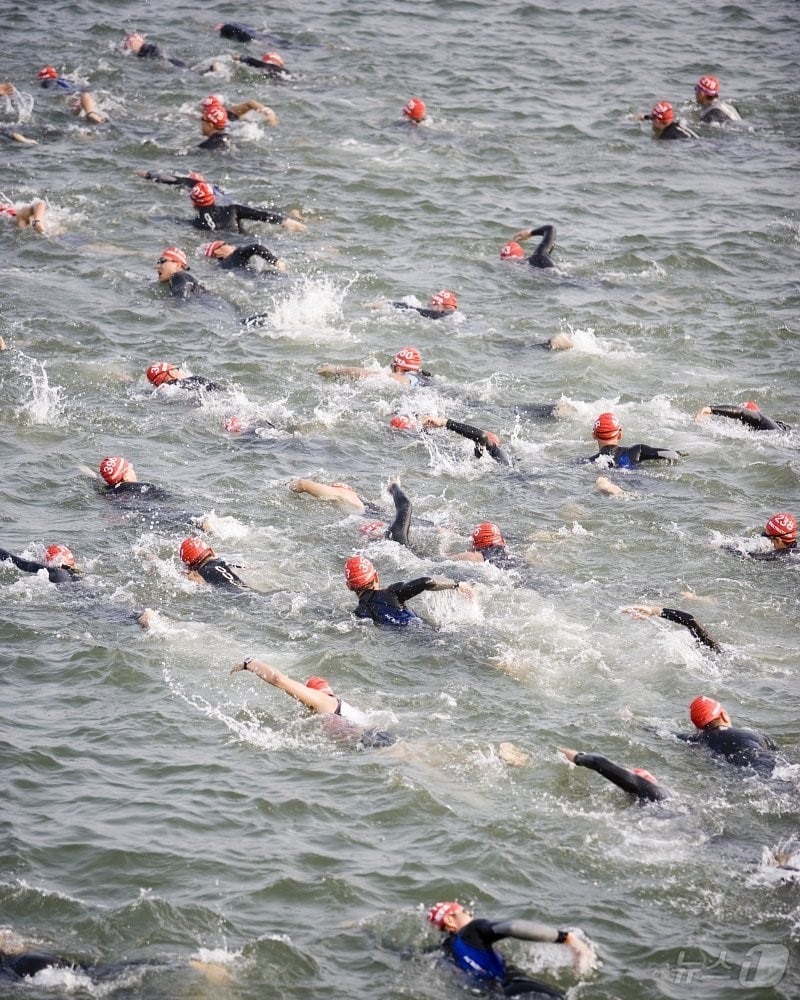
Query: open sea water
[157, 808]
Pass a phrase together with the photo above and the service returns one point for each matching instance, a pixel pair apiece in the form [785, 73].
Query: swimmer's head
[444, 300]
[707, 86]
[211, 101]
[485, 535]
[216, 115]
[320, 684]
[171, 260]
[194, 551]
[59, 556]
[414, 109]
[407, 360]
[8, 210]
[210, 249]
[703, 711]
[401, 423]
[750, 405]
[607, 429]
[48, 73]
[492, 439]
[782, 529]
[273, 59]
[511, 251]
[644, 774]
[161, 372]
[202, 194]
[234, 425]
[359, 573]
[115, 469]
[662, 114]
[133, 42]
[440, 914]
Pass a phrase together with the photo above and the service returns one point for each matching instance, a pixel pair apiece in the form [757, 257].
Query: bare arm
[266, 113]
[338, 494]
[317, 701]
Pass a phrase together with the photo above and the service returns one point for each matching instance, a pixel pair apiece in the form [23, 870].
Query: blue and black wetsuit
[643, 789]
[387, 606]
[60, 84]
[56, 574]
[471, 950]
[230, 216]
[617, 457]
[742, 747]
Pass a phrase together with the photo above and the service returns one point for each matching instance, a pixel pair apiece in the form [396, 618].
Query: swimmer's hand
[640, 611]
[523, 234]
[268, 115]
[583, 956]
[430, 421]
[466, 590]
[568, 753]
[328, 370]
[241, 665]
[293, 226]
[702, 413]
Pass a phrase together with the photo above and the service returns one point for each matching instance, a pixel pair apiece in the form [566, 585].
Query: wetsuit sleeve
[244, 253]
[618, 775]
[406, 590]
[755, 419]
[694, 626]
[481, 440]
[187, 182]
[258, 214]
[182, 285]
[26, 565]
[526, 930]
[251, 61]
[399, 528]
[648, 454]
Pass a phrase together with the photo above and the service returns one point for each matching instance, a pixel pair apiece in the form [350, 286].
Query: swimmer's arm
[529, 930]
[258, 214]
[266, 113]
[26, 565]
[615, 773]
[648, 454]
[753, 418]
[257, 250]
[322, 491]
[348, 372]
[466, 557]
[152, 175]
[523, 234]
[674, 615]
[411, 588]
[317, 701]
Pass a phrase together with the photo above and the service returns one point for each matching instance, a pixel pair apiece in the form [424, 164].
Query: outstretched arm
[529, 930]
[317, 701]
[674, 615]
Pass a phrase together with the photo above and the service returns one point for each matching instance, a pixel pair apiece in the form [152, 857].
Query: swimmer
[636, 781]
[406, 368]
[230, 215]
[216, 115]
[346, 497]
[86, 104]
[187, 181]
[136, 44]
[387, 605]
[742, 747]
[344, 721]
[172, 269]
[414, 110]
[781, 529]
[440, 304]
[470, 941]
[541, 255]
[712, 107]
[747, 413]
[231, 258]
[674, 615]
[665, 126]
[120, 476]
[165, 373]
[485, 441]
[204, 566]
[26, 216]
[271, 64]
[239, 32]
[607, 431]
[59, 564]
[488, 545]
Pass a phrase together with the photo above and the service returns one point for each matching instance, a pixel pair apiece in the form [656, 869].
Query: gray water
[158, 808]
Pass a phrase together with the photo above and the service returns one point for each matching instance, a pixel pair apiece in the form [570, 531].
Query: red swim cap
[511, 251]
[439, 912]
[373, 529]
[234, 425]
[708, 85]
[8, 210]
[195, 176]
[202, 194]
[486, 535]
[319, 684]
[606, 427]
[273, 59]
[210, 249]
[704, 711]
[194, 550]
[444, 300]
[113, 469]
[160, 372]
[48, 73]
[783, 526]
[414, 109]
[492, 439]
[359, 573]
[401, 423]
[58, 555]
[662, 113]
[407, 360]
[749, 405]
[212, 101]
[175, 255]
[216, 115]
[644, 774]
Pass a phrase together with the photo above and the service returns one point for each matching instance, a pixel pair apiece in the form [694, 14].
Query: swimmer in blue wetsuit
[387, 605]
[470, 941]
[85, 104]
[343, 722]
[406, 368]
[59, 563]
[607, 431]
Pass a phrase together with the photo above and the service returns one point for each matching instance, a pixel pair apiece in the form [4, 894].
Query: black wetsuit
[617, 457]
[183, 285]
[239, 32]
[753, 418]
[470, 949]
[230, 217]
[399, 528]
[719, 112]
[29, 963]
[218, 573]
[387, 606]
[270, 70]
[537, 411]
[152, 51]
[772, 555]
[197, 383]
[643, 789]
[482, 443]
[424, 310]
[56, 574]
[694, 626]
[184, 180]
[499, 556]
[243, 254]
[541, 255]
[124, 491]
[743, 747]
[676, 130]
[216, 142]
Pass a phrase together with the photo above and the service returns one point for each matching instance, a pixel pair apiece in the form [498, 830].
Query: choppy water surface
[157, 808]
